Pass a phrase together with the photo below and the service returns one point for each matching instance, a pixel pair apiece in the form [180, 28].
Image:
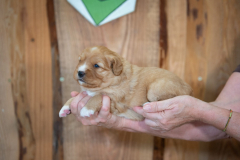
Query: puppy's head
[98, 67]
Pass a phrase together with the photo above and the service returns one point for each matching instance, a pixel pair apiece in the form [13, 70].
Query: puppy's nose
[81, 74]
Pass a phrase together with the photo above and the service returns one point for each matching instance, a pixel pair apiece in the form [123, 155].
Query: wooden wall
[199, 40]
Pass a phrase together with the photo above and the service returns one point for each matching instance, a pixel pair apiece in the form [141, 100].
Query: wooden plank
[26, 49]
[39, 75]
[9, 142]
[223, 50]
[175, 55]
[175, 61]
[135, 37]
[197, 30]
[57, 92]
[212, 54]
[223, 56]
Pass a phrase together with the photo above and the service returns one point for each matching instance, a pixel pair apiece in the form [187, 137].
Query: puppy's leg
[162, 89]
[92, 106]
[130, 114]
[65, 110]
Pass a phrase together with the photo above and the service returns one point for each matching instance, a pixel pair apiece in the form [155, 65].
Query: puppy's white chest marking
[94, 48]
[91, 93]
[82, 67]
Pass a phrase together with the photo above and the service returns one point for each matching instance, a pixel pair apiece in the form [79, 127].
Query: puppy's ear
[81, 57]
[115, 63]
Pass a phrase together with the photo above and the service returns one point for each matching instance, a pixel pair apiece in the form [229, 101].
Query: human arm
[212, 116]
[195, 130]
[104, 118]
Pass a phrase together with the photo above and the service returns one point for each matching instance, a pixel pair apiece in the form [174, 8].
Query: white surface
[62, 110]
[86, 112]
[91, 93]
[125, 8]
[82, 68]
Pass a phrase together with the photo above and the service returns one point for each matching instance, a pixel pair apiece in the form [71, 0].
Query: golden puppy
[102, 71]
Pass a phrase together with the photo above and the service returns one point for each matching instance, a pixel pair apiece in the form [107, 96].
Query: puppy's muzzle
[81, 74]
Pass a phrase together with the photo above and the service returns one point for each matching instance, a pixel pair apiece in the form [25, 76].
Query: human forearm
[217, 117]
[197, 131]
[194, 131]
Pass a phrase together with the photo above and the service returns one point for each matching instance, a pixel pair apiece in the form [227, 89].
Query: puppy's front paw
[65, 110]
[86, 112]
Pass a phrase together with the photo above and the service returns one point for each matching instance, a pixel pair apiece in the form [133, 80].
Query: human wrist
[211, 114]
[199, 109]
[192, 108]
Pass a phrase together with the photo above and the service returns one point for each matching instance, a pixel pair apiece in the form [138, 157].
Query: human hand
[103, 117]
[168, 114]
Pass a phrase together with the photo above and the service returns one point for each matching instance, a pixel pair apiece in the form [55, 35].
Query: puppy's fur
[127, 85]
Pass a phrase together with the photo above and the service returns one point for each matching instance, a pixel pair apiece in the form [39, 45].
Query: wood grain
[27, 54]
[136, 38]
[57, 92]
[212, 32]
[197, 30]
[9, 141]
[223, 56]
[222, 45]
[15, 49]
[39, 75]
[175, 62]
[196, 39]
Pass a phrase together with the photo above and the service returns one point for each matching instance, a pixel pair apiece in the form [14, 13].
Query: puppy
[102, 71]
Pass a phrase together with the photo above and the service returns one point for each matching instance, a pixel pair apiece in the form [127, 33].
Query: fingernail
[146, 107]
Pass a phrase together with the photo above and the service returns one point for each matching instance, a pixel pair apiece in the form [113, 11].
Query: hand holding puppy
[157, 121]
[103, 117]
[172, 118]
[168, 114]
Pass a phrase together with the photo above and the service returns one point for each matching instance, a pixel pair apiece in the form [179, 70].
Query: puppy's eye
[96, 65]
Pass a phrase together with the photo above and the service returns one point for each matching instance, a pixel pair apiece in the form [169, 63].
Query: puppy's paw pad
[145, 103]
[64, 111]
[67, 111]
[86, 112]
[63, 115]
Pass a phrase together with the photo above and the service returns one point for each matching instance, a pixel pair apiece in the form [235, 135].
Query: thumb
[104, 112]
[155, 106]
[74, 93]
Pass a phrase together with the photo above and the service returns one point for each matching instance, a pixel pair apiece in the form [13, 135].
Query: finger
[156, 128]
[140, 110]
[82, 103]
[138, 126]
[75, 102]
[105, 110]
[74, 93]
[156, 106]
[150, 123]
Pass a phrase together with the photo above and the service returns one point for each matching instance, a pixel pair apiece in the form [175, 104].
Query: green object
[100, 9]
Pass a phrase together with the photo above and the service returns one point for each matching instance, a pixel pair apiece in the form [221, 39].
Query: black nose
[81, 74]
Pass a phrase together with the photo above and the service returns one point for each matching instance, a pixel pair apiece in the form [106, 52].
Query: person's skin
[182, 117]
